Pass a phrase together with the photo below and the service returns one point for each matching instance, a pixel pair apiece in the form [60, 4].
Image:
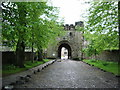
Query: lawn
[11, 69]
[105, 65]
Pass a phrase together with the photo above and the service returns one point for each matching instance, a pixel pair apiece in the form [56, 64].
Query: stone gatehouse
[72, 41]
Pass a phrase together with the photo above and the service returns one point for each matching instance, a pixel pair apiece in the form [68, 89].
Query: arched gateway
[72, 41]
[67, 46]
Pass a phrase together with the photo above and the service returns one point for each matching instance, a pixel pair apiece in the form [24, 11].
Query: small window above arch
[70, 33]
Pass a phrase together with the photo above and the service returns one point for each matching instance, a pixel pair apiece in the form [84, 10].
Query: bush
[12, 69]
[105, 64]
[9, 67]
[93, 60]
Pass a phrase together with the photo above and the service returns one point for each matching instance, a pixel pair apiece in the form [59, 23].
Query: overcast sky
[71, 10]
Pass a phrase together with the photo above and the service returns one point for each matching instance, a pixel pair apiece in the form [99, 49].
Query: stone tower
[72, 41]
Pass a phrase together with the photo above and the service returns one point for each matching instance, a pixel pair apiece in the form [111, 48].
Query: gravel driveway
[71, 74]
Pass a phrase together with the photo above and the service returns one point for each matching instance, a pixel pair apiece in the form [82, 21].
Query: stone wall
[107, 55]
[8, 57]
[73, 39]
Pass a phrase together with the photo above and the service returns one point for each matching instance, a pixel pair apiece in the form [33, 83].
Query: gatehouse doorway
[64, 51]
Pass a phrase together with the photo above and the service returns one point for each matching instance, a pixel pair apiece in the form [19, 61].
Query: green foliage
[12, 69]
[29, 24]
[35, 22]
[43, 28]
[105, 65]
[30, 64]
[9, 67]
[101, 30]
[47, 60]
[79, 28]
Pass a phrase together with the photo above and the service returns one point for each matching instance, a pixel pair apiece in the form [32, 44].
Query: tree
[101, 30]
[27, 24]
[14, 19]
[43, 28]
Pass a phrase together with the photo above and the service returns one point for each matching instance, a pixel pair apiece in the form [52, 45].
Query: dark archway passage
[67, 47]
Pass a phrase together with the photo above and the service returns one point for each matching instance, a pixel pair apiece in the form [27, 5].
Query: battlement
[72, 27]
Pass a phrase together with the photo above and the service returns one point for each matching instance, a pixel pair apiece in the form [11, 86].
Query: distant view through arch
[64, 51]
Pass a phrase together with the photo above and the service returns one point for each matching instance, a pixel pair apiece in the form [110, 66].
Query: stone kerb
[14, 79]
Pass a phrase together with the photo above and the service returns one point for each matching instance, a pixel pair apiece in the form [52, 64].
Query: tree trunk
[20, 50]
[32, 53]
[95, 54]
[40, 55]
[20, 54]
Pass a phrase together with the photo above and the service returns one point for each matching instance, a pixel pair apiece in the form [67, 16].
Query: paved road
[71, 74]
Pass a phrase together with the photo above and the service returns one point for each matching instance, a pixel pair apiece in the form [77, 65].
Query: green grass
[105, 65]
[11, 69]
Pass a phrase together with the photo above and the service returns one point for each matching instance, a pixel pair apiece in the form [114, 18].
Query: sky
[71, 10]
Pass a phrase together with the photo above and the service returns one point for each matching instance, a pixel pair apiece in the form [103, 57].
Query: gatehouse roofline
[72, 26]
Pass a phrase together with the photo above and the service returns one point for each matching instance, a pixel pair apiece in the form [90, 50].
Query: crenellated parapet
[71, 27]
[80, 23]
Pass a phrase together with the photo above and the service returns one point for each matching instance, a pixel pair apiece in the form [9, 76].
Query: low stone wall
[107, 55]
[8, 57]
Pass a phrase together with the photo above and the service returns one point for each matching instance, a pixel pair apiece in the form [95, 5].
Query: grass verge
[105, 65]
[11, 69]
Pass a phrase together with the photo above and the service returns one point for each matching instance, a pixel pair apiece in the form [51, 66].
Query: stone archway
[72, 40]
[67, 46]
